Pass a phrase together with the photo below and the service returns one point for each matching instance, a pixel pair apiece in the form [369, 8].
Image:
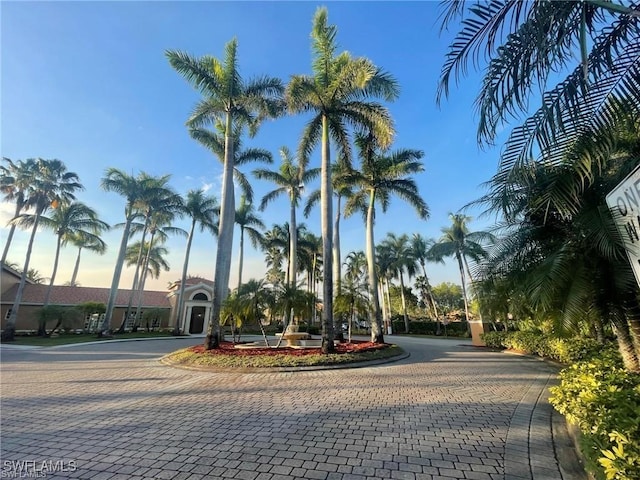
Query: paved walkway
[112, 411]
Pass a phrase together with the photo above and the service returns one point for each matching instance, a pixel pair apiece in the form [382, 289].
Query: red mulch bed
[227, 348]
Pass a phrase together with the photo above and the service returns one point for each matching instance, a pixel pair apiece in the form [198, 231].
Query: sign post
[624, 203]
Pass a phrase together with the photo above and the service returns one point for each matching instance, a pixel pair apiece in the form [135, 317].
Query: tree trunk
[113, 292]
[179, 303]
[404, 304]
[143, 281]
[10, 327]
[56, 259]
[429, 291]
[136, 279]
[241, 259]
[10, 236]
[326, 201]
[464, 293]
[390, 314]
[225, 241]
[76, 267]
[375, 317]
[293, 245]
[625, 343]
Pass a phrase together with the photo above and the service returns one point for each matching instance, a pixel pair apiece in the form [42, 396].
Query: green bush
[603, 400]
[494, 339]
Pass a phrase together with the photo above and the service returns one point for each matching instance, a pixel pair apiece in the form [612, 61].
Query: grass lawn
[196, 357]
[66, 339]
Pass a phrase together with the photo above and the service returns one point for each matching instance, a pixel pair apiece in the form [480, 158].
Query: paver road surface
[113, 411]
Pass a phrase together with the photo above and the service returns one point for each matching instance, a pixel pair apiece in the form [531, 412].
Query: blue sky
[88, 83]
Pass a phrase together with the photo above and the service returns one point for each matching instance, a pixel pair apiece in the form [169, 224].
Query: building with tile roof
[196, 309]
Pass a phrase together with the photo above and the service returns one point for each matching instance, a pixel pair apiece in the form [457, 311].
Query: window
[200, 296]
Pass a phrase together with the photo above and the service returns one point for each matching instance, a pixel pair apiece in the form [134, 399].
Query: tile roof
[66, 295]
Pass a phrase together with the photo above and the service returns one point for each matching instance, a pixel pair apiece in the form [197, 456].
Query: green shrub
[603, 400]
[494, 339]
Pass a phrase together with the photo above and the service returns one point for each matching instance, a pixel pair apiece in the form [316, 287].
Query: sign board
[624, 203]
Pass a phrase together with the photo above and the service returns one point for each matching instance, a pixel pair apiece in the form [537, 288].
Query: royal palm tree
[403, 261]
[67, 221]
[422, 253]
[380, 177]
[134, 190]
[52, 185]
[341, 189]
[214, 141]
[250, 224]
[202, 210]
[290, 180]
[337, 95]
[85, 241]
[159, 227]
[15, 180]
[240, 103]
[35, 276]
[158, 201]
[156, 255]
[458, 242]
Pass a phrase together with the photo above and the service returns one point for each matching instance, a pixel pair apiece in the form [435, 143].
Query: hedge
[457, 329]
[595, 393]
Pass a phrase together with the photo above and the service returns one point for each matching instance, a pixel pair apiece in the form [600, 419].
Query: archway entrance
[197, 319]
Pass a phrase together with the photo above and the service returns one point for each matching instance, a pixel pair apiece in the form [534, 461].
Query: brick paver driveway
[112, 411]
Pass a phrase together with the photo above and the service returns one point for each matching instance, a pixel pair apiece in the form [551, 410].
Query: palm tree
[52, 185]
[422, 253]
[311, 247]
[560, 250]
[341, 189]
[156, 258]
[380, 177]
[290, 180]
[337, 93]
[134, 189]
[67, 222]
[457, 241]
[35, 276]
[240, 103]
[159, 226]
[202, 210]
[525, 42]
[86, 241]
[15, 180]
[158, 200]
[214, 141]
[403, 260]
[248, 222]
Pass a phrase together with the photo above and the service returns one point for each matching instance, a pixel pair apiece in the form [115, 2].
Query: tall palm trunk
[404, 303]
[76, 267]
[624, 338]
[431, 299]
[241, 259]
[56, 259]
[225, 241]
[143, 280]
[183, 278]
[10, 327]
[390, 315]
[136, 279]
[314, 288]
[113, 292]
[11, 232]
[337, 261]
[375, 317]
[326, 201]
[293, 245]
[464, 292]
